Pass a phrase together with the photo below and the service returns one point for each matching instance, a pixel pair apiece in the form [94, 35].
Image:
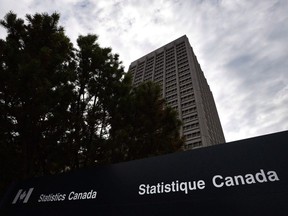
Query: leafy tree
[99, 76]
[63, 108]
[35, 91]
[143, 126]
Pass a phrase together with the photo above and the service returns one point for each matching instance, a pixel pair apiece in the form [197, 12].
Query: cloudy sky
[241, 45]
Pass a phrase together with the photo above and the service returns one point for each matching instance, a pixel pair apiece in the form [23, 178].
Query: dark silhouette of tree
[35, 89]
[99, 75]
[62, 108]
[143, 126]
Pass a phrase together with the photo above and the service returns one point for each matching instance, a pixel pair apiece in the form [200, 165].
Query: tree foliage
[143, 126]
[35, 89]
[63, 107]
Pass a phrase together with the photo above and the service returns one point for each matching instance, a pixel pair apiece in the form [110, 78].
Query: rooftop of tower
[184, 37]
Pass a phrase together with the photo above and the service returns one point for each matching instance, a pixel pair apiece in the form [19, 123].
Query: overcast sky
[241, 45]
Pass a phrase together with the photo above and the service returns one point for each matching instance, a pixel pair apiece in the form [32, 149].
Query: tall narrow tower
[176, 69]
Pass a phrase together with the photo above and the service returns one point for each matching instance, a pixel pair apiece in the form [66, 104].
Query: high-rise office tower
[176, 69]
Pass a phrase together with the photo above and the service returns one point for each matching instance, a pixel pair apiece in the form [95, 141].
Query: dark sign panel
[248, 177]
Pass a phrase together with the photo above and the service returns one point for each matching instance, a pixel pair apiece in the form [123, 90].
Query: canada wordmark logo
[23, 196]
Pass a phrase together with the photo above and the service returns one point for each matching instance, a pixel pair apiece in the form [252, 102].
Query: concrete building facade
[176, 69]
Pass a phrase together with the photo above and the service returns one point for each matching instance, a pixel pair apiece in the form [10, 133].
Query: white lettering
[183, 187]
[201, 184]
[272, 176]
[82, 195]
[229, 181]
[174, 186]
[250, 179]
[167, 188]
[259, 177]
[215, 183]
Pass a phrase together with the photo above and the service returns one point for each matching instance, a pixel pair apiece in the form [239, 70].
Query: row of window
[191, 126]
[186, 100]
[159, 71]
[170, 72]
[168, 87]
[159, 54]
[182, 64]
[172, 91]
[170, 59]
[160, 59]
[183, 68]
[151, 60]
[193, 145]
[171, 97]
[181, 61]
[171, 103]
[181, 55]
[148, 73]
[186, 80]
[158, 76]
[170, 50]
[171, 82]
[184, 76]
[171, 76]
[189, 110]
[189, 103]
[180, 47]
[158, 79]
[181, 52]
[192, 135]
[171, 68]
[132, 70]
[187, 97]
[140, 66]
[160, 65]
[170, 64]
[185, 86]
[138, 80]
[169, 54]
[149, 67]
[185, 91]
[189, 118]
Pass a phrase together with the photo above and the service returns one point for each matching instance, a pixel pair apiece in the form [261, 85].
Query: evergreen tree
[144, 126]
[35, 91]
[63, 108]
[99, 76]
